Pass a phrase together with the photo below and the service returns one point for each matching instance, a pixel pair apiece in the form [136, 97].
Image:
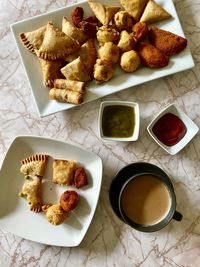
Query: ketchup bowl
[172, 129]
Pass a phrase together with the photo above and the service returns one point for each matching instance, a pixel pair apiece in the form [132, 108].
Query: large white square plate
[120, 81]
[15, 216]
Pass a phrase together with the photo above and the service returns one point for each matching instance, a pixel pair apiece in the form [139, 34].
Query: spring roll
[70, 85]
[64, 95]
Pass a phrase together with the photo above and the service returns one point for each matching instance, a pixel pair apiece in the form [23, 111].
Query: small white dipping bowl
[192, 129]
[135, 107]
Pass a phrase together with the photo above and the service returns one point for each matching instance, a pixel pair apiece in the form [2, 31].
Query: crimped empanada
[33, 40]
[34, 165]
[76, 71]
[32, 190]
[63, 171]
[64, 95]
[56, 44]
[70, 30]
[51, 71]
[103, 12]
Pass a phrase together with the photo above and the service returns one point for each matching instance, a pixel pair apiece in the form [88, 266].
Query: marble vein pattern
[108, 242]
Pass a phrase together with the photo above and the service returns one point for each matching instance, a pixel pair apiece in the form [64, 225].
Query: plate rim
[18, 137]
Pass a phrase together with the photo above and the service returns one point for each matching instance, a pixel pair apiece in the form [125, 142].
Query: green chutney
[118, 121]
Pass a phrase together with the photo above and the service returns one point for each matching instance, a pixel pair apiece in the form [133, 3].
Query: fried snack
[56, 44]
[152, 57]
[92, 19]
[167, 42]
[33, 40]
[80, 177]
[130, 61]
[51, 71]
[76, 71]
[103, 71]
[107, 34]
[77, 16]
[32, 190]
[109, 52]
[126, 41]
[154, 12]
[123, 20]
[70, 85]
[90, 29]
[63, 171]
[104, 13]
[34, 165]
[88, 55]
[65, 96]
[140, 31]
[75, 33]
[54, 214]
[69, 200]
[134, 7]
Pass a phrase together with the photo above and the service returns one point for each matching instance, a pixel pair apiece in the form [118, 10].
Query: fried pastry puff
[51, 71]
[70, 30]
[123, 20]
[34, 165]
[153, 13]
[103, 12]
[140, 31]
[107, 34]
[70, 85]
[151, 56]
[134, 7]
[54, 214]
[33, 40]
[103, 71]
[63, 171]
[56, 44]
[80, 177]
[167, 42]
[126, 41]
[65, 96]
[76, 71]
[69, 200]
[32, 190]
[130, 61]
[109, 52]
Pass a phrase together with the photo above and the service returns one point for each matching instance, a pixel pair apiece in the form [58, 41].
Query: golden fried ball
[69, 200]
[123, 20]
[126, 41]
[130, 61]
[102, 71]
[109, 52]
[107, 34]
[55, 214]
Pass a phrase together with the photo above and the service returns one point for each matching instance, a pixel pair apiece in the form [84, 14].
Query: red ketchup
[169, 129]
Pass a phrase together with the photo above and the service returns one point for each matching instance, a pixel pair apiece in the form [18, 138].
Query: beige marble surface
[108, 241]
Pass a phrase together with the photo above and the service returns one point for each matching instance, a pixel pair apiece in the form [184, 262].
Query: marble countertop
[108, 242]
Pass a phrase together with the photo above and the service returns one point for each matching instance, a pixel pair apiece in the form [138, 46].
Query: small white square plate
[120, 81]
[15, 216]
[192, 129]
[135, 107]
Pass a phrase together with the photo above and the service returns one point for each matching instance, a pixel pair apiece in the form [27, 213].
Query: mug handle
[177, 216]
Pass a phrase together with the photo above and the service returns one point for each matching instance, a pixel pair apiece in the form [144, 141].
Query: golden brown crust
[33, 40]
[55, 214]
[167, 42]
[109, 52]
[103, 71]
[32, 190]
[140, 31]
[134, 7]
[63, 171]
[34, 165]
[69, 200]
[70, 85]
[51, 71]
[151, 56]
[64, 95]
[56, 44]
